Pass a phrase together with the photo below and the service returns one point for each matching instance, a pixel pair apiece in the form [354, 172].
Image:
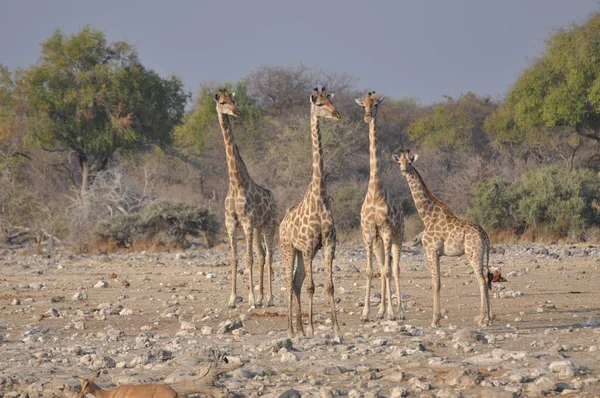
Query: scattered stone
[101, 284]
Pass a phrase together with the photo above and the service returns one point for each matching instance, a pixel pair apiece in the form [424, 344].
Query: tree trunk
[85, 174]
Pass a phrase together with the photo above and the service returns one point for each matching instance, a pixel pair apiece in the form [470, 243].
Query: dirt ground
[151, 317]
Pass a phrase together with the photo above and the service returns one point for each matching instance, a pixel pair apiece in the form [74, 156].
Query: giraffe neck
[424, 199]
[238, 174]
[374, 183]
[317, 185]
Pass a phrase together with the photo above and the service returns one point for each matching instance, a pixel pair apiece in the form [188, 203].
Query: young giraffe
[381, 222]
[448, 235]
[308, 227]
[247, 205]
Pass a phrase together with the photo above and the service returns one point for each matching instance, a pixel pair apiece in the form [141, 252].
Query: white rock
[79, 296]
[126, 311]
[101, 284]
[187, 326]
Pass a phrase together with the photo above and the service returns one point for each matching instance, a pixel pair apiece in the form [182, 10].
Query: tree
[559, 94]
[454, 124]
[95, 98]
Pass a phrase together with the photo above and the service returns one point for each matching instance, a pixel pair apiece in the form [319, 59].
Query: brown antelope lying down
[203, 384]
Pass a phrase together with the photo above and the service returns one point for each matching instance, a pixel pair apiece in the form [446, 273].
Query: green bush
[493, 205]
[121, 228]
[176, 220]
[550, 199]
[559, 201]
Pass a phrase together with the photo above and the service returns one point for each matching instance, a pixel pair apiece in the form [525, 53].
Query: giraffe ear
[313, 98]
[330, 96]
[396, 158]
[360, 102]
[380, 101]
[413, 158]
[216, 97]
[232, 95]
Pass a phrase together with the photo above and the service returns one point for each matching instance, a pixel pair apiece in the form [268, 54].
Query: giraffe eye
[319, 104]
[222, 102]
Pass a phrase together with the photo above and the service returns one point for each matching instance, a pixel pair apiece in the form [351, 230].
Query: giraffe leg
[299, 276]
[287, 257]
[260, 256]
[368, 239]
[387, 268]
[476, 260]
[269, 233]
[232, 232]
[329, 255]
[379, 249]
[249, 232]
[434, 265]
[310, 289]
[396, 250]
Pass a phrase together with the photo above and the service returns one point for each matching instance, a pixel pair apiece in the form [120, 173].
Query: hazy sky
[420, 48]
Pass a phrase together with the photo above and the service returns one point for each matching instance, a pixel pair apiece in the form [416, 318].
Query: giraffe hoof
[271, 302]
[364, 319]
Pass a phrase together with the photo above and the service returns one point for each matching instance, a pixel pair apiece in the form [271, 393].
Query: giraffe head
[320, 105]
[370, 103]
[405, 160]
[226, 103]
[88, 385]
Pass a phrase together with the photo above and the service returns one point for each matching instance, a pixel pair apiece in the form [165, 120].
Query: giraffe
[308, 227]
[247, 205]
[446, 234]
[382, 223]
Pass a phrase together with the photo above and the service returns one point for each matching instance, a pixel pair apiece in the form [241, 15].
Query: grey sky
[419, 48]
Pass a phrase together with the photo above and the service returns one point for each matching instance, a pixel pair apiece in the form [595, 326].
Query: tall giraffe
[447, 235]
[247, 205]
[308, 227]
[381, 222]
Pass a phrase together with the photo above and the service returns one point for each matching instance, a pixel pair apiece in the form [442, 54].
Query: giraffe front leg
[369, 271]
[310, 290]
[232, 232]
[260, 254]
[329, 255]
[396, 250]
[299, 276]
[434, 266]
[269, 234]
[387, 248]
[287, 258]
[249, 232]
[379, 251]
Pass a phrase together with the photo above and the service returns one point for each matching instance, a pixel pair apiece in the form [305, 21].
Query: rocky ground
[154, 317]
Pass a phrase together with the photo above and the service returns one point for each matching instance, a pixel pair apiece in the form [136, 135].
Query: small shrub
[493, 205]
[175, 220]
[121, 229]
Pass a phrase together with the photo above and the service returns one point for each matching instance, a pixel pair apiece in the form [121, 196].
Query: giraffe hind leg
[260, 257]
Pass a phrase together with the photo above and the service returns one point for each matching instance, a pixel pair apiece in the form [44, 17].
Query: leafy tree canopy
[559, 92]
[93, 98]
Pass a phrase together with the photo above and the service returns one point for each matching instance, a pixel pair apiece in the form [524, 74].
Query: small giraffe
[308, 227]
[381, 222]
[247, 205]
[445, 234]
